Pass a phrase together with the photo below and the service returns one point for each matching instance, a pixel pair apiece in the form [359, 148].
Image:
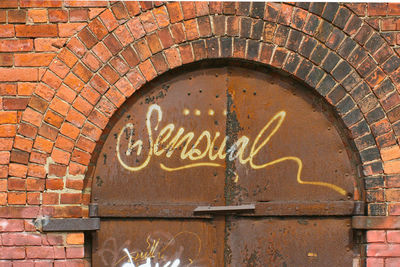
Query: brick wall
[67, 66]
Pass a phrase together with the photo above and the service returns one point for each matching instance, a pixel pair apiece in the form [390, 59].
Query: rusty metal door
[224, 167]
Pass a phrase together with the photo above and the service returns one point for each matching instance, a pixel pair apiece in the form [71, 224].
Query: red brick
[85, 144]
[132, 7]
[60, 156]
[22, 143]
[376, 236]
[99, 84]
[12, 253]
[33, 198]
[148, 70]
[41, 252]
[136, 28]
[16, 45]
[375, 262]
[21, 239]
[8, 89]
[82, 72]
[91, 95]
[119, 65]
[18, 74]
[148, 21]
[123, 35]
[64, 143]
[48, 131]
[17, 170]
[44, 91]
[75, 117]
[109, 20]
[69, 130]
[33, 184]
[393, 9]
[7, 30]
[44, 30]
[76, 169]
[392, 262]
[43, 144]
[51, 80]
[8, 117]
[69, 29]
[98, 119]
[66, 94]
[377, 9]
[74, 252]
[54, 184]
[38, 157]
[36, 171]
[120, 11]
[178, 33]
[173, 57]
[75, 239]
[16, 184]
[33, 60]
[175, 12]
[82, 106]
[37, 15]
[12, 103]
[16, 198]
[3, 171]
[202, 8]
[85, 3]
[74, 184]
[393, 236]
[58, 15]
[11, 225]
[99, 30]
[112, 44]
[77, 46]
[106, 107]
[6, 60]
[87, 38]
[68, 57]
[102, 52]
[73, 82]
[78, 15]
[92, 131]
[154, 43]
[50, 198]
[9, 4]
[109, 74]
[4, 157]
[53, 119]
[71, 198]
[161, 16]
[57, 170]
[8, 130]
[59, 68]
[40, 3]
[191, 29]
[383, 250]
[17, 16]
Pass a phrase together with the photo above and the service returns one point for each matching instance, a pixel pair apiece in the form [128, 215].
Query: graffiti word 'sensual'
[166, 143]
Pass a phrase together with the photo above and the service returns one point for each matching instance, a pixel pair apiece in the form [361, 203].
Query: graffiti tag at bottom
[148, 262]
[163, 250]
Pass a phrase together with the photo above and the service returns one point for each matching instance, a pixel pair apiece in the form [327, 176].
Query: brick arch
[124, 47]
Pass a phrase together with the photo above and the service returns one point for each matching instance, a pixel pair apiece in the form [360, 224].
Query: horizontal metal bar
[324, 208]
[224, 209]
[273, 208]
[376, 222]
[60, 225]
[140, 210]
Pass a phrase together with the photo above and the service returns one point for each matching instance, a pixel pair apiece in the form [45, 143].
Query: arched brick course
[327, 46]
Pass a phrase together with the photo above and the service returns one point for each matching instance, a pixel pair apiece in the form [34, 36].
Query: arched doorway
[225, 166]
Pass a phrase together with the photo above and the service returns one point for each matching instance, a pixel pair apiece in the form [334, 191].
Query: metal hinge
[225, 209]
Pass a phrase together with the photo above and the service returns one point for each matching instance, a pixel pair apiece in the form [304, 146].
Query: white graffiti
[148, 263]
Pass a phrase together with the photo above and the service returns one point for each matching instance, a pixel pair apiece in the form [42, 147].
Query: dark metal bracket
[225, 209]
[78, 224]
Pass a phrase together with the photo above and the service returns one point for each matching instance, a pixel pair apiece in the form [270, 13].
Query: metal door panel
[287, 242]
[187, 242]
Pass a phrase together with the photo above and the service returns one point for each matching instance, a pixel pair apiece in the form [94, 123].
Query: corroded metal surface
[224, 138]
[290, 242]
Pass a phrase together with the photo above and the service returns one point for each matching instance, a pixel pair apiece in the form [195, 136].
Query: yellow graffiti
[237, 150]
